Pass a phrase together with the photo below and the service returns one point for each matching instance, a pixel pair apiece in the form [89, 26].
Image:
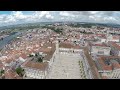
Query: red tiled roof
[104, 66]
[114, 45]
[36, 65]
[9, 60]
[68, 45]
[24, 56]
[116, 37]
[101, 45]
[1, 65]
[10, 74]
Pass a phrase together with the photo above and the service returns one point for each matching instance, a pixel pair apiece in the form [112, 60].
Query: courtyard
[66, 66]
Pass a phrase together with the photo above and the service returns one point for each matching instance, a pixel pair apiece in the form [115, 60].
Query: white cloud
[43, 14]
[18, 15]
[94, 12]
[66, 14]
[49, 16]
[92, 16]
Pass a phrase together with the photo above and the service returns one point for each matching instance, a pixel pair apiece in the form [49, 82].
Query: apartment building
[35, 70]
[113, 38]
[115, 48]
[100, 49]
[10, 74]
[109, 66]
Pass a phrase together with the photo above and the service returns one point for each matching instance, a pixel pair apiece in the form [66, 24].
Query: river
[7, 39]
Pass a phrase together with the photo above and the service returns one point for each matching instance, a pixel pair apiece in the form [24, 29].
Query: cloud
[49, 16]
[38, 16]
[18, 17]
[66, 14]
[96, 16]
[43, 14]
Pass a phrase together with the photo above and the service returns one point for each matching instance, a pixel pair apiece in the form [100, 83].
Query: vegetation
[30, 55]
[20, 71]
[57, 30]
[86, 32]
[36, 54]
[82, 70]
[40, 59]
[81, 25]
[1, 72]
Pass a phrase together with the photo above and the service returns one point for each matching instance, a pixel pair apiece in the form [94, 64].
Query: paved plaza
[65, 66]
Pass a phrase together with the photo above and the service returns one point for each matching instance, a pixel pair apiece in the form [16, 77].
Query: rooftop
[10, 74]
[115, 45]
[97, 44]
[68, 45]
[108, 63]
[36, 65]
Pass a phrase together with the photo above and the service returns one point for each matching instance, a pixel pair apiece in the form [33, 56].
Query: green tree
[36, 54]
[1, 72]
[20, 71]
[40, 59]
[30, 55]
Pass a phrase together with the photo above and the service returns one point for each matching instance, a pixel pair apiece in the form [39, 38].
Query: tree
[1, 72]
[30, 55]
[40, 59]
[36, 54]
[19, 71]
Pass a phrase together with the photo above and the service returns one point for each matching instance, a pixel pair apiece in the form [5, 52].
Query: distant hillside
[75, 24]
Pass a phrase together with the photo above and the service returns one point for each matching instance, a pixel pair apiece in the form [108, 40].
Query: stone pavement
[65, 66]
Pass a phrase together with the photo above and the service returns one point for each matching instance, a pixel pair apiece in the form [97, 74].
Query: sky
[19, 17]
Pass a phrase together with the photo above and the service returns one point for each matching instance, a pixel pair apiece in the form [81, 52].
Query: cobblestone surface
[65, 66]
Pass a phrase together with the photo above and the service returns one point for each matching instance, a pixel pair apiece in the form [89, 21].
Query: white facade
[70, 50]
[98, 50]
[19, 62]
[118, 53]
[35, 73]
[110, 38]
[111, 74]
[103, 40]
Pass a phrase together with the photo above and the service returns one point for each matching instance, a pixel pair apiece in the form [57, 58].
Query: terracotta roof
[101, 45]
[36, 65]
[24, 56]
[114, 44]
[1, 65]
[116, 37]
[101, 35]
[9, 60]
[91, 62]
[109, 62]
[10, 74]
[49, 54]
